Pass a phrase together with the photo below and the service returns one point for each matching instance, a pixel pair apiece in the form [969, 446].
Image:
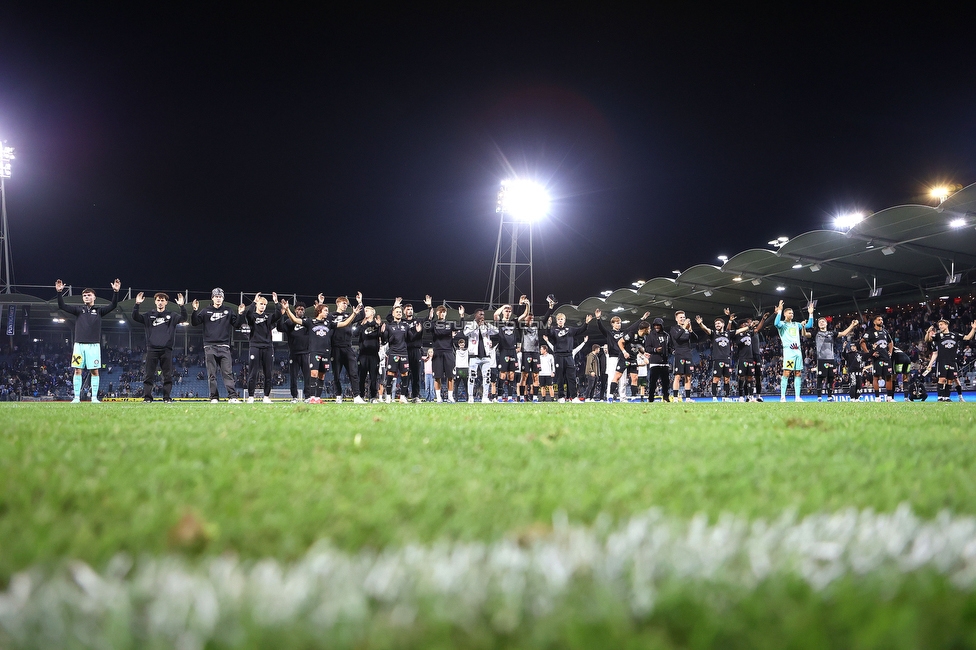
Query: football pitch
[484, 526]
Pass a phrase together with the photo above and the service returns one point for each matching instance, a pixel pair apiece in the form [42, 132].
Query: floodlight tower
[6, 155]
[520, 204]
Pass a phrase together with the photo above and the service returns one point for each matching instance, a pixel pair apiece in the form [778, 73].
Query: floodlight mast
[520, 204]
[6, 155]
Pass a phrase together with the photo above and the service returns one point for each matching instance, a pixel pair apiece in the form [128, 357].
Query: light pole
[520, 204]
[6, 155]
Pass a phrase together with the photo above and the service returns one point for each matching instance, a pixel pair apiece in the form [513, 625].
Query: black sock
[714, 390]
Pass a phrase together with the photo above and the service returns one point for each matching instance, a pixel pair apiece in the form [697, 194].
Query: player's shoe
[962, 399]
[266, 399]
[147, 399]
[95, 400]
[486, 400]
[76, 400]
[358, 400]
[232, 400]
[561, 400]
[250, 400]
[470, 400]
[215, 401]
[438, 398]
[782, 399]
[819, 399]
[338, 399]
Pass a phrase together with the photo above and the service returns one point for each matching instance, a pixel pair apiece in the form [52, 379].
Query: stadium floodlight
[798, 265]
[781, 288]
[737, 278]
[723, 258]
[941, 193]
[957, 223]
[676, 272]
[606, 294]
[639, 283]
[522, 199]
[848, 221]
[6, 155]
[815, 267]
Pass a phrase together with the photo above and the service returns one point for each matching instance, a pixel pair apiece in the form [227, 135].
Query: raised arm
[701, 324]
[354, 317]
[850, 328]
[972, 332]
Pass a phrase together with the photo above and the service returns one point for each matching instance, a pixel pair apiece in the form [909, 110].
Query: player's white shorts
[86, 355]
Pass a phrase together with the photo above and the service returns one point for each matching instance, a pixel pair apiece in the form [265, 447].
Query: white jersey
[547, 365]
[461, 358]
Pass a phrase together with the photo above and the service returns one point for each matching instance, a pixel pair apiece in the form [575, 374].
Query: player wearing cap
[160, 325]
[87, 349]
[218, 323]
[657, 345]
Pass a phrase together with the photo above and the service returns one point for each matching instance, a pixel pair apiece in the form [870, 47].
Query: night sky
[362, 150]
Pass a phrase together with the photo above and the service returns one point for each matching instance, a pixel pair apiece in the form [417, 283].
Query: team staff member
[297, 336]
[260, 350]
[343, 355]
[218, 327]
[87, 350]
[160, 325]
[947, 348]
[657, 345]
[682, 338]
[878, 344]
[478, 334]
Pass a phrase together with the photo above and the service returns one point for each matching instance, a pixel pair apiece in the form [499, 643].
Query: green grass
[87, 482]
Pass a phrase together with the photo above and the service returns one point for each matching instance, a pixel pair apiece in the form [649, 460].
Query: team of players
[516, 359]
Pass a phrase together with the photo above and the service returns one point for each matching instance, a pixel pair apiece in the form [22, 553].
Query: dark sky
[336, 151]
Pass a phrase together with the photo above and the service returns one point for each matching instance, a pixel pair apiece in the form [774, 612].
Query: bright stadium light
[639, 283]
[723, 258]
[6, 155]
[848, 221]
[606, 294]
[957, 223]
[941, 193]
[798, 265]
[781, 288]
[523, 200]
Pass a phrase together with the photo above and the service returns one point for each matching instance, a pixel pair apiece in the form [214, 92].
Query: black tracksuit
[88, 326]
[297, 335]
[218, 330]
[160, 339]
[260, 347]
[343, 354]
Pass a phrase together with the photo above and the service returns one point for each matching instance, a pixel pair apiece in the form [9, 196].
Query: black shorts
[319, 362]
[746, 368]
[621, 363]
[545, 380]
[398, 364]
[721, 368]
[443, 365]
[946, 371]
[683, 367]
[824, 365]
[506, 360]
[530, 362]
[882, 368]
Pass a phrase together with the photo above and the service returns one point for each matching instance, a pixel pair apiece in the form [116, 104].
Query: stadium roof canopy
[906, 253]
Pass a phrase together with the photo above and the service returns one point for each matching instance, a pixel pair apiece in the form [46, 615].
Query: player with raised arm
[369, 335]
[443, 334]
[506, 354]
[825, 342]
[947, 348]
[561, 336]
[878, 345]
[683, 339]
[721, 355]
[160, 325]
[478, 334]
[789, 334]
[630, 347]
[616, 362]
[297, 335]
[260, 350]
[87, 349]
[397, 333]
[531, 342]
[745, 357]
[218, 323]
[343, 354]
